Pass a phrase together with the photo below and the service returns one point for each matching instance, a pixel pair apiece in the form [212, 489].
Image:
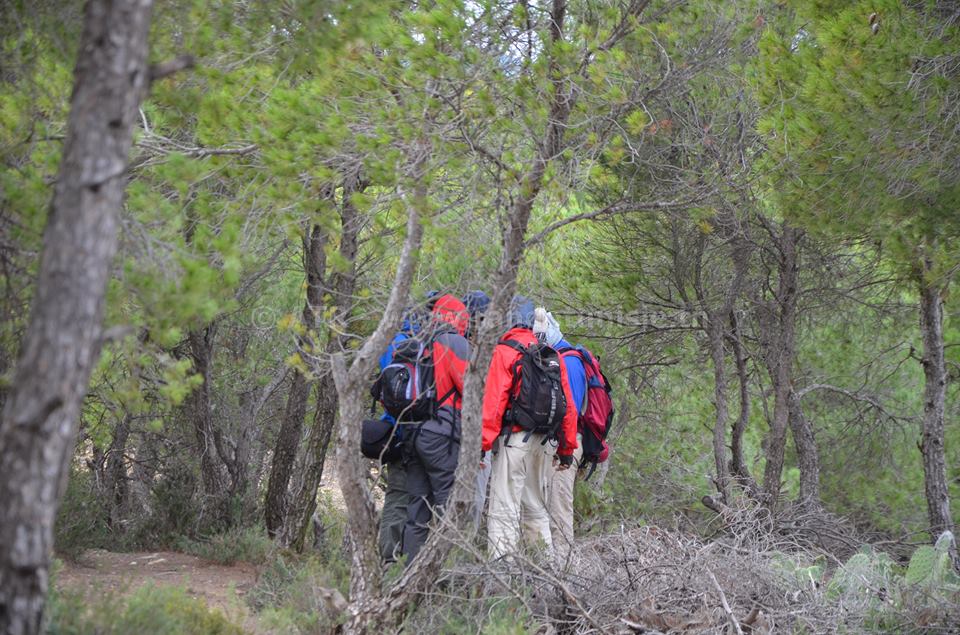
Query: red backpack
[594, 423]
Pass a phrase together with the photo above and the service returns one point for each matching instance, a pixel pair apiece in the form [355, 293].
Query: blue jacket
[406, 330]
[576, 375]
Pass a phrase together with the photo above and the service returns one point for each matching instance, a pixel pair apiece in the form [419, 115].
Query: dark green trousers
[394, 515]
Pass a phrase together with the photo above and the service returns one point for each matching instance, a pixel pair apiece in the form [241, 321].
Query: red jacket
[496, 394]
[451, 352]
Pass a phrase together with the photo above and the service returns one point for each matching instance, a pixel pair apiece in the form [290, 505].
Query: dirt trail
[105, 573]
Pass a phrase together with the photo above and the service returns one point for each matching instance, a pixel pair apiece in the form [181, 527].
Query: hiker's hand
[565, 462]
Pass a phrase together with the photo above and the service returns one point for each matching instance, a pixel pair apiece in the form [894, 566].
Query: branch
[200, 153]
[726, 606]
[855, 396]
[610, 210]
[169, 67]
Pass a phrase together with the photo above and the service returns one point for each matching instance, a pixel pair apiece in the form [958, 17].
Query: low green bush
[247, 544]
[149, 610]
[81, 523]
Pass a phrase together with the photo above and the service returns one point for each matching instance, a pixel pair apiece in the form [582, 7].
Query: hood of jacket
[450, 310]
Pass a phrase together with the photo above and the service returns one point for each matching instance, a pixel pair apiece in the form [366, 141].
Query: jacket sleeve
[387, 356]
[496, 395]
[452, 354]
[568, 429]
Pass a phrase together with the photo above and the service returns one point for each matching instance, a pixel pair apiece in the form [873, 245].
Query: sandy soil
[102, 573]
[105, 573]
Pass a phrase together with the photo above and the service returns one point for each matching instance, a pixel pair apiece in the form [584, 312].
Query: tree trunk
[714, 325]
[779, 357]
[365, 610]
[198, 407]
[284, 453]
[738, 465]
[342, 286]
[934, 393]
[715, 333]
[291, 427]
[62, 342]
[808, 456]
[115, 480]
[303, 501]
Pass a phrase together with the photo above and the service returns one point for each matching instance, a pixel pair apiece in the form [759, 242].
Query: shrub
[248, 544]
[153, 610]
[81, 523]
[289, 594]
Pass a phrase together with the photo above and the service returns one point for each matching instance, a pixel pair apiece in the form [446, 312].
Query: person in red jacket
[525, 462]
[432, 449]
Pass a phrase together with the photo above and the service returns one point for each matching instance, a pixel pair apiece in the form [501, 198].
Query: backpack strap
[514, 382]
[593, 468]
[515, 345]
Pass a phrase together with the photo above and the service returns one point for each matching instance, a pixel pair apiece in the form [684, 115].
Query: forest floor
[103, 573]
[99, 573]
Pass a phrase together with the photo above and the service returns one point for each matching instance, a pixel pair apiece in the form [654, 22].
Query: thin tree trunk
[115, 480]
[715, 336]
[934, 393]
[714, 325]
[291, 426]
[366, 608]
[342, 286]
[303, 501]
[738, 465]
[39, 419]
[808, 455]
[779, 358]
[200, 349]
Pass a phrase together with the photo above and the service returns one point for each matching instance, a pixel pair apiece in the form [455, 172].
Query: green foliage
[286, 594]
[806, 577]
[844, 111]
[156, 610]
[244, 544]
[862, 576]
[81, 523]
[930, 566]
[499, 616]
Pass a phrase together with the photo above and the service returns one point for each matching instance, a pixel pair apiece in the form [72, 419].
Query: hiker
[526, 400]
[560, 484]
[477, 303]
[396, 498]
[432, 446]
[592, 394]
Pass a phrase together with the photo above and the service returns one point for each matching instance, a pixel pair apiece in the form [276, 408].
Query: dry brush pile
[754, 578]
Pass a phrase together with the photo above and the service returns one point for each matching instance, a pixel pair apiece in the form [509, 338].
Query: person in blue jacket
[397, 498]
[560, 488]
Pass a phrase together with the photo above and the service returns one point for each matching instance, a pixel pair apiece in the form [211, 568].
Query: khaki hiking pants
[560, 506]
[518, 490]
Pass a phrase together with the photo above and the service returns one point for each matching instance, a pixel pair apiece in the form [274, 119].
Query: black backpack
[538, 405]
[406, 386]
[379, 440]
